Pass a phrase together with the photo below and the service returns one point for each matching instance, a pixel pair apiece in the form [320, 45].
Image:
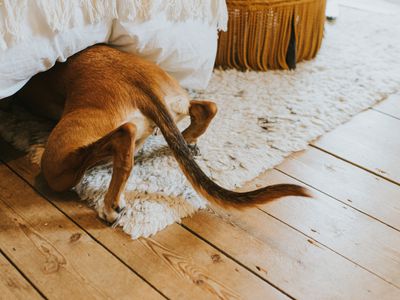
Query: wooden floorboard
[357, 237]
[346, 183]
[294, 262]
[342, 244]
[371, 140]
[172, 258]
[53, 252]
[13, 285]
[390, 106]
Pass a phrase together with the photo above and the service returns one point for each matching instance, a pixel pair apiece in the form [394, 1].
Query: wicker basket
[271, 34]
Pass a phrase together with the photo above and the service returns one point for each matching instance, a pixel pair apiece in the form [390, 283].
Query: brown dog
[108, 102]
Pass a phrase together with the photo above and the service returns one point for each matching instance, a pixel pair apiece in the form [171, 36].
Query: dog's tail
[199, 180]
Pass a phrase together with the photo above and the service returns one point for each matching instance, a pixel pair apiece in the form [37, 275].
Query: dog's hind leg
[77, 144]
[201, 114]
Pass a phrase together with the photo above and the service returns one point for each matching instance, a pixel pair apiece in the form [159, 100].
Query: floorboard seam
[329, 248]
[384, 113]
[336, 199]
[354, 164]
[23, 274]
[236, 261]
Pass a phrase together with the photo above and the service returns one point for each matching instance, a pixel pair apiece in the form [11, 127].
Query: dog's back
[97, 71]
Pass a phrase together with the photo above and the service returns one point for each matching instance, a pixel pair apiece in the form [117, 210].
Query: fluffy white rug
[263, 117]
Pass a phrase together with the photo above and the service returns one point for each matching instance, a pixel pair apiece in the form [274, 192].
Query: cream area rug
[263, 117]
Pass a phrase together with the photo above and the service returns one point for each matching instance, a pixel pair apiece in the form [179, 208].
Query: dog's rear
[110, 103]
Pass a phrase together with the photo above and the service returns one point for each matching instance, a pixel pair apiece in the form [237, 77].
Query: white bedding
[181, 37]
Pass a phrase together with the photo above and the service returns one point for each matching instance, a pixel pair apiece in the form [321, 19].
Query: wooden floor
[343, 244]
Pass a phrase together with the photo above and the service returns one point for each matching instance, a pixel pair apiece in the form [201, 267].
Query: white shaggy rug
[263, 117]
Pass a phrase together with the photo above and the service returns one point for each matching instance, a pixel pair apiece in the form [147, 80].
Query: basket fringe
[259, 33]
[61, 15]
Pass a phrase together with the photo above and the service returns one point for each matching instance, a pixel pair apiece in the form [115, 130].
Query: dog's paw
[108, 215]
[111, 215]
[122, 204]
[194, 149]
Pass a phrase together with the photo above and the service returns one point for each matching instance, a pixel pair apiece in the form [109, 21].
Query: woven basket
[271, 34]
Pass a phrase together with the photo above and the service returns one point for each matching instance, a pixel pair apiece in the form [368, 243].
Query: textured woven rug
[263, 117]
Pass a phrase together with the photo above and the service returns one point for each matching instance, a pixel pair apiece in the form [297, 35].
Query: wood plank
[13, 285]
[352, 234]
[191, 258]
[357, 188]
[126, 255]
[173, 258]
[56, 255]
[295, 263]
[390, 106]
[370, 140]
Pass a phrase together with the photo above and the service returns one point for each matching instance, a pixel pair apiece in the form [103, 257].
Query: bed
[178, 35]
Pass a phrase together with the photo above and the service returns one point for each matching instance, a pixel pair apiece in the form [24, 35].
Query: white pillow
[184, 48]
